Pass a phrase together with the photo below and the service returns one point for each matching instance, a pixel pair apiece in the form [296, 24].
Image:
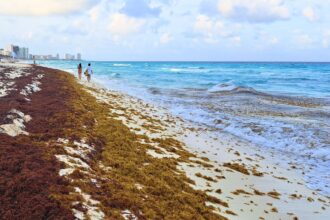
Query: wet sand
[70, 150]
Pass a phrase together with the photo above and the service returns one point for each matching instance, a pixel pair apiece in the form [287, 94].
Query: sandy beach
[75, 150]
[252, 182]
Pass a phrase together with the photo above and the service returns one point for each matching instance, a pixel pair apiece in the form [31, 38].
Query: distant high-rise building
[79, 56]
[15, 53]
[69, 57]
[10, 48]
[24, 53]
[4, 53]
[57, 56]
[18, 52]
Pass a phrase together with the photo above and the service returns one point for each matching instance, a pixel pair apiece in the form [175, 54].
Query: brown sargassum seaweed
[28, 170]
[127, 177]
[150, 188]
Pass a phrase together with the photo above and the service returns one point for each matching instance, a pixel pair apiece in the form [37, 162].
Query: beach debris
[205, 177]
[274, 194]
[219, 191]
[241, 191]
[237, 167]
[274, 209]
[255, 172]
[258, 193]
[230, 212]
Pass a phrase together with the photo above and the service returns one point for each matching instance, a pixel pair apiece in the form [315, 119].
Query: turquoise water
[280, 106]
[302, 79]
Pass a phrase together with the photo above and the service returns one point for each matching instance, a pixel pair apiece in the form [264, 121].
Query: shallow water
[283, 106]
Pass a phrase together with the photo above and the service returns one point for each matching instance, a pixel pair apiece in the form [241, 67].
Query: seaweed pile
[28, 172]
[74, 160]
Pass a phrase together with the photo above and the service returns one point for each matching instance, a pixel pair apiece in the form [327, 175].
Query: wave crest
[230, 87]
[121, 64]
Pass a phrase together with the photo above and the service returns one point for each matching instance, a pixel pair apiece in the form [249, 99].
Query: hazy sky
[218, 30]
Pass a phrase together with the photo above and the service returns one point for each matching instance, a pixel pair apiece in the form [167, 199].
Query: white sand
[7, 84]
[17, 126]
[128, 215]
[93, 211]
[33, 87]
[76, 151]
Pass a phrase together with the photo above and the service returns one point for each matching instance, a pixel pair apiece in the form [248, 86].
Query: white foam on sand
[222, 87]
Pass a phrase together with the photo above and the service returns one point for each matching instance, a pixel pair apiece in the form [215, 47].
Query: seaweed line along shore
[75, 150]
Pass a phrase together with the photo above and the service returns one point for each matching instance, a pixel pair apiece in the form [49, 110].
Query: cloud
[139, 9]
[273, 40]
[304, 40]
[95, 14]
[326, 39]
[203, 24]
[122, 25]
[76, 27]
[212, 30]
[43, 7]
[309, 14]
[165, 38]
[236, 39]
[261, 11]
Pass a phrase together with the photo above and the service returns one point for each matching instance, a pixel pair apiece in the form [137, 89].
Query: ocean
[280, 106]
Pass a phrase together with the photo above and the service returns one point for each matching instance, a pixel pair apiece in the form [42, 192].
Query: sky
[170, 30]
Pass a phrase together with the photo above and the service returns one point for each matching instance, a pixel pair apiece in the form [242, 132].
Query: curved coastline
[123, 158]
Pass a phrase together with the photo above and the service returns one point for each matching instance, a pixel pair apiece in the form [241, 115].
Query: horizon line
[200, 61]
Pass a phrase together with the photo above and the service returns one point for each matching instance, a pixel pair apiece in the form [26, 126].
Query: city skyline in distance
[18, 52]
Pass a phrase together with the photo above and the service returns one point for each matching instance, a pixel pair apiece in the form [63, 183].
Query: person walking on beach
[79, 71]
[89, 72]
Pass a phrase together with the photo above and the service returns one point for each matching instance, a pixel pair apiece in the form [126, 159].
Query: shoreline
[293, 127]
[119, 156]
[263, 169]
[307, 167]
